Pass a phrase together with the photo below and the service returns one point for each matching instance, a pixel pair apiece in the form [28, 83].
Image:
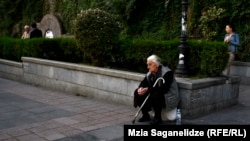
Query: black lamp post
[182, 68]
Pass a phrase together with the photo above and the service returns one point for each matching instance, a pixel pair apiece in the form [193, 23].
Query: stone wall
[202, 96]
[11, 70]
[107, 84]
[241, 69]
[198, 96]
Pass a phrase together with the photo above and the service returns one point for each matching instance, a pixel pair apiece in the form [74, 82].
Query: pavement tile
[89, 113]
[107, 119]
[80, 137]
[111, 113]
[93, 122]
[64, 128]
[14, 132]
[119, 116]
[8, 108]
[88, 128]
[66, 120]
[101, 125]
[115, 131]
[30, 137]
[50, 124]
[101, 111]
[97, 116]
[80, 126]
[71, 132]
[38, 129]
[43, 109]
[94, 108]
[4, 136]
[50, 135]
[81, 111]
[29, 126]
[81, 118]
[10, 139]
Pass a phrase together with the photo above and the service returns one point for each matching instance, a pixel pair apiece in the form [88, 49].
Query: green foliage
[153, 19]
[194, 57]
[135, 52]
[67, 10]
[61, 49]
[10, 49]
[145, 19]
[205, 59]
[69, 49]
[213, 57]
[209, 22]
[15, 14]
[97, 33]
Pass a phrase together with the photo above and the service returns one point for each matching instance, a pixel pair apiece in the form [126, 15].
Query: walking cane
[137, 113]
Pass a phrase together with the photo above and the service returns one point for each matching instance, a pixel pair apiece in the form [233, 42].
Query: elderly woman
[26, 33]
[162, 96]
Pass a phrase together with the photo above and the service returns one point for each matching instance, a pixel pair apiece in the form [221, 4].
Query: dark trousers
[138, 101]
[156, 105]
[155, 100]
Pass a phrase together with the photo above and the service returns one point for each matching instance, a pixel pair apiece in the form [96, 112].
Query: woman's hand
[141, 91]
[227, 39]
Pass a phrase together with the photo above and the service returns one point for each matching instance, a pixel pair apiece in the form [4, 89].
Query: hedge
[206, 59]
[60, 49]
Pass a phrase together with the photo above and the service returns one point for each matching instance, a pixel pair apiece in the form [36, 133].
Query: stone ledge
[239, 63]
[85, 68]
[11, 63]
[188, 83]
[241, 69]
[193, 84]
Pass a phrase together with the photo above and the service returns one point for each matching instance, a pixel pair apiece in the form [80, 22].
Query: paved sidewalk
[30, 113]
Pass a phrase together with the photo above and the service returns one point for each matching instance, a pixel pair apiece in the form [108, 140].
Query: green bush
[11, 49]
[209, 28]
[60, 49]
[136, 51]
[97, 33]
[206, 59]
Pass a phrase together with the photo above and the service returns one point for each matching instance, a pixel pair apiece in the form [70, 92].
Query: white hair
[26, 26]
[155, 59]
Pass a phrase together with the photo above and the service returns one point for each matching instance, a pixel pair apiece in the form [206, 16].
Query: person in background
[26, 33]
[232, 39]
[35, 33]
[49, 34]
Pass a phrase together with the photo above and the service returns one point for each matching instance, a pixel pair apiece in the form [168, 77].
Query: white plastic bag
[168, 115]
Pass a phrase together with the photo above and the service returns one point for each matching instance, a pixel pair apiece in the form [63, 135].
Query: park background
[145, 27]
